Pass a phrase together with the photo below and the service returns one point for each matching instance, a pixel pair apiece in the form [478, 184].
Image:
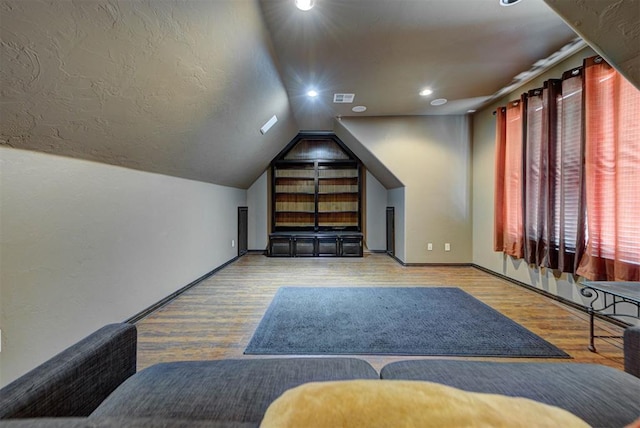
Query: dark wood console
[300, 244]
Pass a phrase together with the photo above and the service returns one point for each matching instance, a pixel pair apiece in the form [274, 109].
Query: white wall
[376, 197]
[431, 155]
[258, 203]
[84, 244]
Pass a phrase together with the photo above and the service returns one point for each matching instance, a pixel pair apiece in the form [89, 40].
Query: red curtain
[612, 175]
[513, 180]
[568, 175]
[501, 142]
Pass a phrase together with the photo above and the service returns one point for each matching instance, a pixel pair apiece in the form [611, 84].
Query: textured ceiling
[612, 28]
[175, 87]
[182, 87]
[385, 51]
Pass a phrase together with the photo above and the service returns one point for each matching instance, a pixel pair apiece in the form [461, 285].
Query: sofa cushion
[406, 403]
[601, 396]
[225, 390]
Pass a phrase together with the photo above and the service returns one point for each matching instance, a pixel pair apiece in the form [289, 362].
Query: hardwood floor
[216, 318]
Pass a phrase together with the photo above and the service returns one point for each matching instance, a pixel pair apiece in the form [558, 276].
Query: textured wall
[611, 27]
[175, 87]
[84, 244]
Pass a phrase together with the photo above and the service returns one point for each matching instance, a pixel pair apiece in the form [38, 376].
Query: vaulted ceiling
[386, 51]
[183, 87]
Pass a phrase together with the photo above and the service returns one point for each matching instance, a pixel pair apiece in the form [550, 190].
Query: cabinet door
[328, 246]
[304, 246]
[351, 246]
[280, 247]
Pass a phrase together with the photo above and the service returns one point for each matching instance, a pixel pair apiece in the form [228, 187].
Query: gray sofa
[94, 384]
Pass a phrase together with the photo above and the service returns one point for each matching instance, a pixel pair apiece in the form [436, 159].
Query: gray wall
[85, 244]
[258, 203]
[396, 199]
[431, 155]
[376, 205]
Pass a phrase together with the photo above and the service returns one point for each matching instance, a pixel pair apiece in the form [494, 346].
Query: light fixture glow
[426, 92]
[508, 2]
[304, 4]
[312, 93]
[439, 101]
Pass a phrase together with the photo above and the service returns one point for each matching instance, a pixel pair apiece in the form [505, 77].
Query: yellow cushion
[398, 403]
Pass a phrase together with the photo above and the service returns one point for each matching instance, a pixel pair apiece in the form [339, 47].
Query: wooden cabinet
[299, 244]
[316, 187]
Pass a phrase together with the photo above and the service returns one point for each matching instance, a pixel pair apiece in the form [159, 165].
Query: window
[612, 175]
[568, 175]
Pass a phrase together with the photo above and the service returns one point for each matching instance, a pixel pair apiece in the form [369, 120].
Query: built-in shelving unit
[316, 199]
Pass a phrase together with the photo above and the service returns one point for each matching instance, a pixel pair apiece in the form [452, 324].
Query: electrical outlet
[233, 243]
[430, 246]
[447, 246]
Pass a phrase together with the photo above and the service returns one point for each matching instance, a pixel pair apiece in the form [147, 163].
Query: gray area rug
[391, 321]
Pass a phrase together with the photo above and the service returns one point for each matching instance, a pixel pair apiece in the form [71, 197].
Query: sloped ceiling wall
[182, 87]
[178, 88]
[610, 27]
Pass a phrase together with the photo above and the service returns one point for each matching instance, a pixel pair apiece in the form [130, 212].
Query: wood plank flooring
[216, 318]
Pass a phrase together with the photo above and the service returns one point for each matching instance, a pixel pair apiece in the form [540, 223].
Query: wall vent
[343, 98]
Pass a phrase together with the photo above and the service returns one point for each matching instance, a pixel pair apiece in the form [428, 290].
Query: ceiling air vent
[343, 98]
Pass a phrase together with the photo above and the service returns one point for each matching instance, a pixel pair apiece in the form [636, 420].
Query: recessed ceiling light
[304, 4]
[471, 111]
[312, 93]
[439, 101]
[508, 2]
[426, 92]
[359, 109]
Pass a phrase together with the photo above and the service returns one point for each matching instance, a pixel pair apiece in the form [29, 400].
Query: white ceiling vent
[343, 98]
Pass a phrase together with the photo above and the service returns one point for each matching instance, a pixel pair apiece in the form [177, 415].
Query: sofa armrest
[77, 380]
[632, 350]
